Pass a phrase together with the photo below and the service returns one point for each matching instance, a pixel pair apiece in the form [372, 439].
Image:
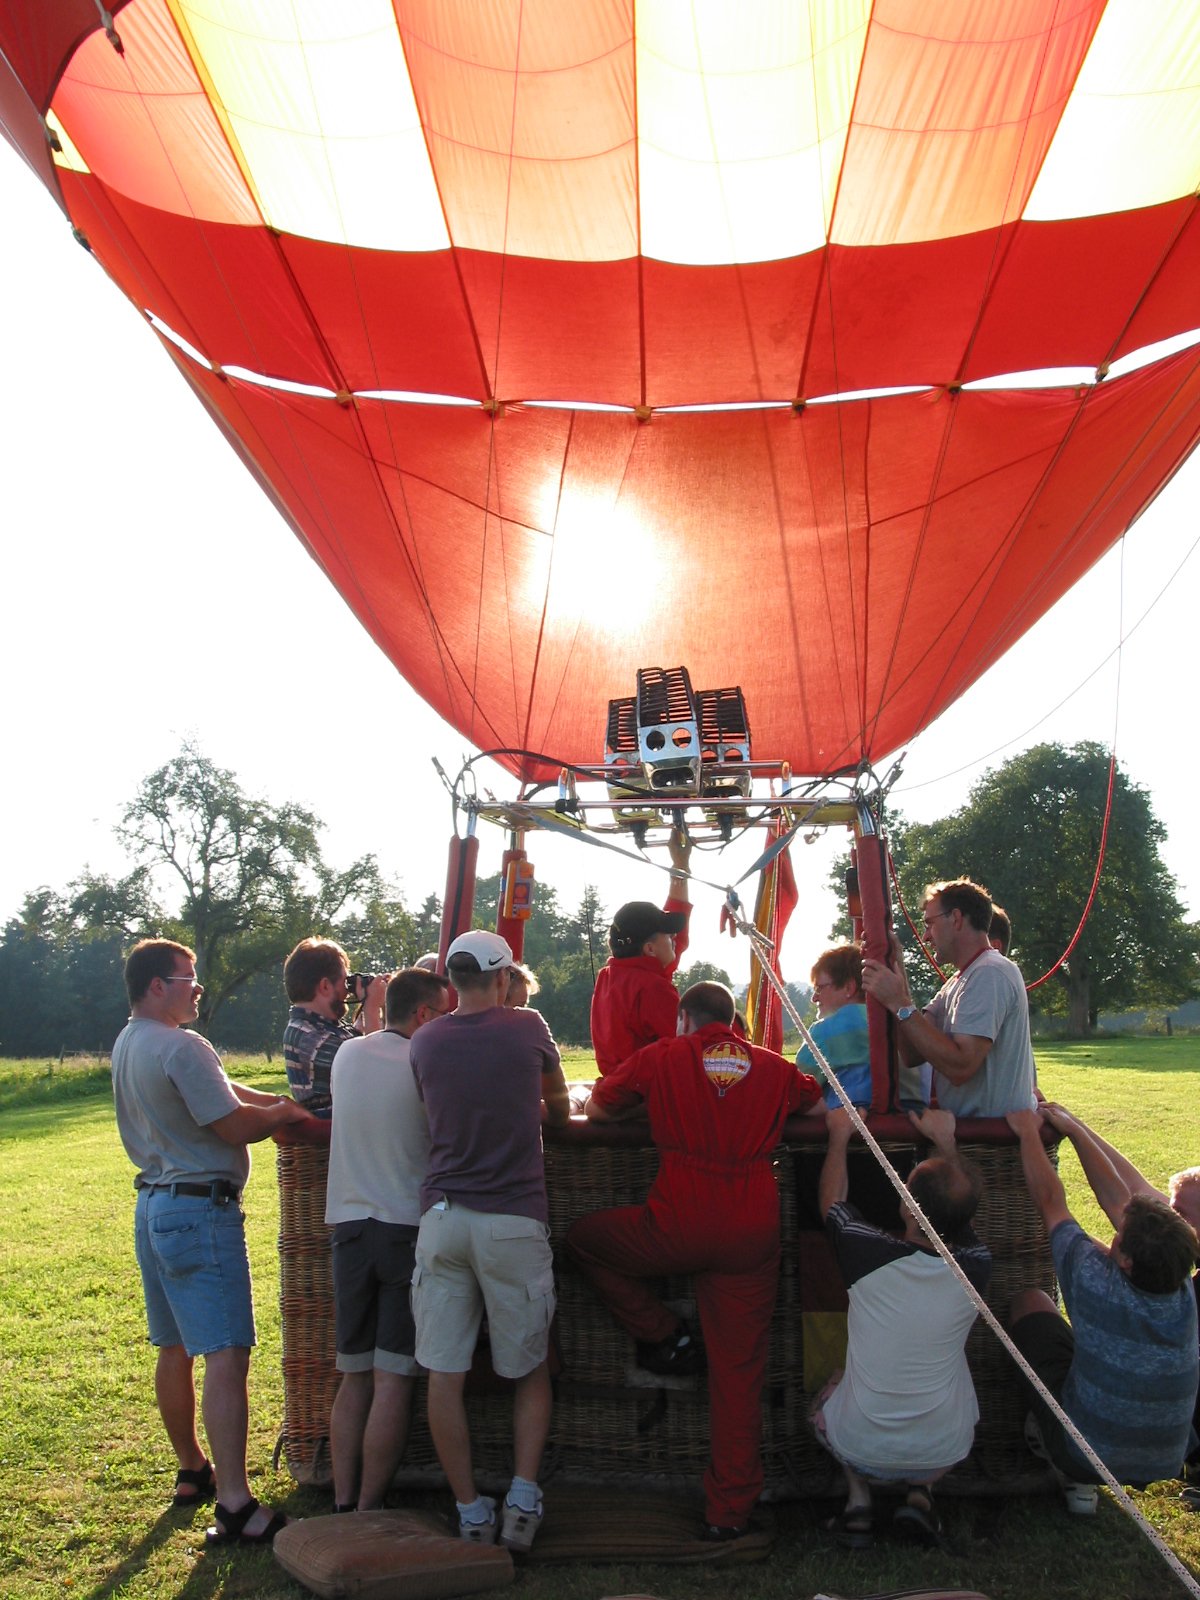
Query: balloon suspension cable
[925, 949]
[927, 952]
[762, 948]
[1108, 799]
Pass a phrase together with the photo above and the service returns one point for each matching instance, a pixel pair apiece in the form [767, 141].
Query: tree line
[1032, 832]
[241, 880]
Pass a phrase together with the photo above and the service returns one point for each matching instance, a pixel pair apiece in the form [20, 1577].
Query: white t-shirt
[379, 1146]
[906, 1405]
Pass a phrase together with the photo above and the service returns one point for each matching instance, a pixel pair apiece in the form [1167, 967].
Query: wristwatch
[904, 1012]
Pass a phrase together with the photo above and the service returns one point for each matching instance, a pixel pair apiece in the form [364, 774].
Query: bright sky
[154, 595]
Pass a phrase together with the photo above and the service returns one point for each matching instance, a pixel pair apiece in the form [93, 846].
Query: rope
[976, 1299]
[1075, 937]
[921, 945]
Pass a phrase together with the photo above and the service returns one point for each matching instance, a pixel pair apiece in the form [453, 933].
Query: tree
[1030, 832]
[249, 876]
[702, 972]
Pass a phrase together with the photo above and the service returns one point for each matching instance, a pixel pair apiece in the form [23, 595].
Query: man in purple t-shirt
[488, 1076]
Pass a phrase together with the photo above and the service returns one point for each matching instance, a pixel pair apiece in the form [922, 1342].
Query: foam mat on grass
[585, 1524]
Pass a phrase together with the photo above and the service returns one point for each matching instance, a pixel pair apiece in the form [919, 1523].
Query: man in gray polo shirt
[185, 1126]
[974, 1033]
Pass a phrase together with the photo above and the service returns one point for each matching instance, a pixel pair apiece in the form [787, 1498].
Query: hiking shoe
[680, 1356]
[519, 1528]
[480, 1532]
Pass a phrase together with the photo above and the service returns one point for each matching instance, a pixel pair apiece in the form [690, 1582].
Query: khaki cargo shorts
[472, 1262]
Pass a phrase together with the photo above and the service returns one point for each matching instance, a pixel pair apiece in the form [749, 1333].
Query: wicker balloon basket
[615, 1424]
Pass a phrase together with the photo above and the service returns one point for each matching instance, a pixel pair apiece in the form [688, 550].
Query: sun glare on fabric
[605, 564]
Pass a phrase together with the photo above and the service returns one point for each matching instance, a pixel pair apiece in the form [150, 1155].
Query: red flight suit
[717, 1106]
[635, 1002]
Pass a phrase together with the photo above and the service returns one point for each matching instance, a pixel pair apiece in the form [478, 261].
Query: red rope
[1075, 937]
[921, 945]
[1112, 773]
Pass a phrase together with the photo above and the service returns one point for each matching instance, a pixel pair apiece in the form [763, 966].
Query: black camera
[357, 984]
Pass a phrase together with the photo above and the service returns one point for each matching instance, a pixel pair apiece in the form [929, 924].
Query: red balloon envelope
[547, 325]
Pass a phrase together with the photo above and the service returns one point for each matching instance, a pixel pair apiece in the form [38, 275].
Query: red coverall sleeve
[803, 1091]
[681, 939]
[627, 1083]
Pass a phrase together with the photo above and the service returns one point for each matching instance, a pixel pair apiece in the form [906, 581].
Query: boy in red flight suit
[717, 1106]
[634, 1001]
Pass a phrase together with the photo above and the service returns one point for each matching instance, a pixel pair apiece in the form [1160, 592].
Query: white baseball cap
[488, 950]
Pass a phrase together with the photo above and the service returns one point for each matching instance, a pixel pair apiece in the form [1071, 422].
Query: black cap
[638, 921]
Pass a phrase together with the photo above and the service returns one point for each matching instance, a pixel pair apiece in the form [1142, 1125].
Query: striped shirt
[1132, 1383]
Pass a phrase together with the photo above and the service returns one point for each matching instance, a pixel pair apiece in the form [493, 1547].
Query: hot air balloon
[572, 339]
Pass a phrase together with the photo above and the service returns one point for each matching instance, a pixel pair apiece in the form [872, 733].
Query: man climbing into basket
[717, 1106]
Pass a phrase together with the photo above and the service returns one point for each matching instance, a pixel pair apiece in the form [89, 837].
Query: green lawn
[87, 1473]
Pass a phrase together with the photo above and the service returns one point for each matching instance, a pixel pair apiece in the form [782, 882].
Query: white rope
[759, 943]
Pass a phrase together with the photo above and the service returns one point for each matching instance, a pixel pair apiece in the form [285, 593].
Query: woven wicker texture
[615, 1424]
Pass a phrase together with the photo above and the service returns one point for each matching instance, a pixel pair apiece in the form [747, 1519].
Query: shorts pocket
[347, 1232]
[178, 1248]
[541, 1287]
[518, 1228]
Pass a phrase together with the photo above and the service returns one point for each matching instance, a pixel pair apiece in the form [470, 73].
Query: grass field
[86, 1470]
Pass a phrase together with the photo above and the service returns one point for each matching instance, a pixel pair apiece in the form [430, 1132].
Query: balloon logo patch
[725, 1065]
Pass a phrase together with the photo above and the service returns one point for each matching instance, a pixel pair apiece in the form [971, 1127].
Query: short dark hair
[1160, 1245]
[1000, 928]
[309, 962]
[150, 959]
[409, 989]
[948, 1193]
[960, 894]
[465, 974]
[709, 1002]
[842, 964]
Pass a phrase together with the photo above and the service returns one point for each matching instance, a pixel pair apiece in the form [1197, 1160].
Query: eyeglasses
[192, 981]
[929, 921]
[825, 983]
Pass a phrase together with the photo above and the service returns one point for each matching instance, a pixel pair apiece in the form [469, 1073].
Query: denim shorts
[195, 1272]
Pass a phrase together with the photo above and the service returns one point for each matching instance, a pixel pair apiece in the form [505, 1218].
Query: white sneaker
[480, 1532]
[1081, 1498]
[519, 1528]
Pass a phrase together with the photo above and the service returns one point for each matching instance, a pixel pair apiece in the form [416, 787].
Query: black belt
[220, 1191]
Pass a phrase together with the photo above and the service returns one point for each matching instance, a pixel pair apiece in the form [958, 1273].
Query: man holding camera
[317, 978]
